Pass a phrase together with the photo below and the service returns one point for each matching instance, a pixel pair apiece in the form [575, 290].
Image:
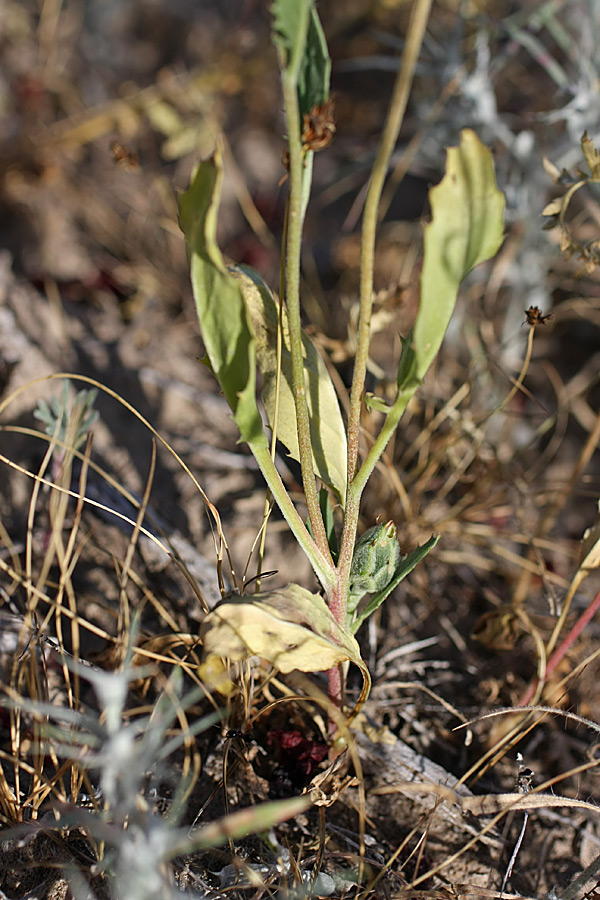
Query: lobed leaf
[466, 229]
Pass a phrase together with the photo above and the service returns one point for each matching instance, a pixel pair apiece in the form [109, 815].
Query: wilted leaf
[466, 229]
[226, 331]
[290, 628]
[215, 675]
[325, 788]
[498, 629]
[328, 435]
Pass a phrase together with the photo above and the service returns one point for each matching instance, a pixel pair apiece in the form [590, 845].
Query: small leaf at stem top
[315, 65]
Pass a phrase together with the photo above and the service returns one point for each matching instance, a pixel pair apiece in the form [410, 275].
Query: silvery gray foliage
[131, 761]
[128, 761]
[57, 414]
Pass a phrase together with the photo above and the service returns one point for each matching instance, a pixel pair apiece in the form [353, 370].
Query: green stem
[381, 442]
[355, 490]
[402, 86]
[416, 31]
[322, 566]
[295, 219]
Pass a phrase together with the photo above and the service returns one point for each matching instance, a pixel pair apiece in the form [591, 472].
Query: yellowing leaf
[290, 628]
[215, 675]
[192, 137]
[164, 118]
[328, 435]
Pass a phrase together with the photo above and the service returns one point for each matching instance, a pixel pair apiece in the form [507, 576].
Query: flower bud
[374, 563]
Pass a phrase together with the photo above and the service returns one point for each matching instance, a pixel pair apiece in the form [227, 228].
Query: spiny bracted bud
[374, 563]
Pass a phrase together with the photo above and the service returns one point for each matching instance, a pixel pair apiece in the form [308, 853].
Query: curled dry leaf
[592, 156]
[590, 547]
[326, 787]
[554, 208]
[552, 170]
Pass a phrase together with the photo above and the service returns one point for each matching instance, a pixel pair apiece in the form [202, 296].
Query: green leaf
[329, 522]
[288, 16]
[328, 435]
[466, 229]
[407, 368]
[404, 568]
[315, 71]
[298, 33]
[373, 402]
[226, 329]
[250, 821]
[315, 65]
[290, 628]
